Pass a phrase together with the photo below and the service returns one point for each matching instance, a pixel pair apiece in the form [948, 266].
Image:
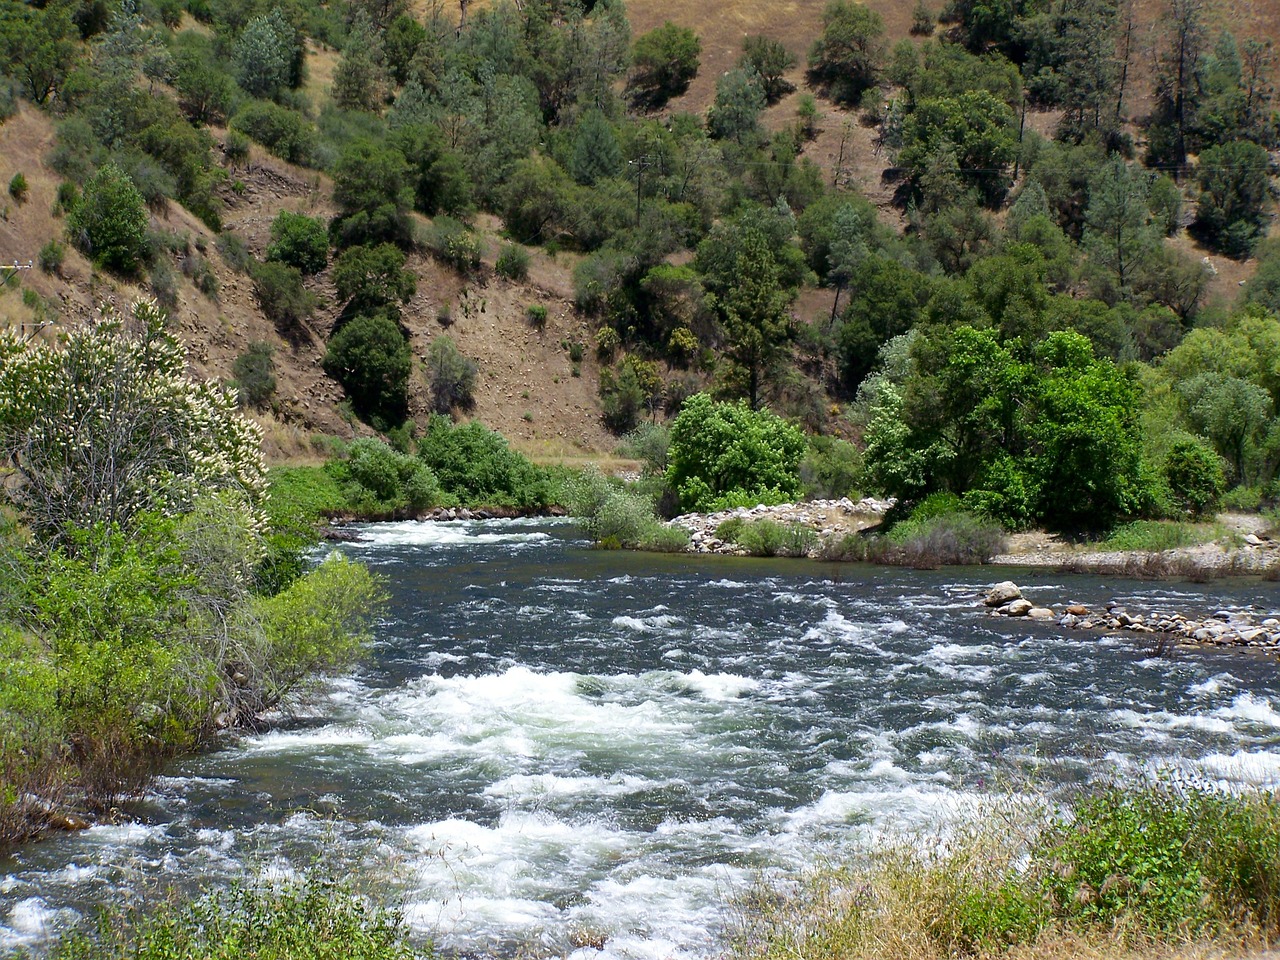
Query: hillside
[528, 388]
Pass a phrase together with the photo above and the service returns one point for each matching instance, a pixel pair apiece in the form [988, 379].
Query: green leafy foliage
[728, 448]
[476, 466]
[281, 295]
[451, 376]
[311, 918]
[299, 241]
[255, 374]
[379, 482]
[849, 55]
[1194, 475]
[109, 223]
[370, 357]
[663, 63]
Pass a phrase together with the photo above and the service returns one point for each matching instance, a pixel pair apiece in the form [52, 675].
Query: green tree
[1118, 230]
[1235, 186]
[299, 241]
[979, 128]
[266, 56]
[720, 449]
[107, 425]
[596, 153]
[735, 115]
[370, 358]
[109, 223]
[1194, 474]
[373, 278]
[755, 311]
[663, 62]
[849, 55]
[38, 46]
[360, 81]
[1232, 414]
[770, 60]
[451, 375]
[371, 188]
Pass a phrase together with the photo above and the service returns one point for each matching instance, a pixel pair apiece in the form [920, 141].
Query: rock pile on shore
[828, 518]
[1223, 628]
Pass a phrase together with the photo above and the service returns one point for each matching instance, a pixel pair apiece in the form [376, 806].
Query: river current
[551, 744]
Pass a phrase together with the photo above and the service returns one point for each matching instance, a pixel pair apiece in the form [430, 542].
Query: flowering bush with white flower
[106, 424]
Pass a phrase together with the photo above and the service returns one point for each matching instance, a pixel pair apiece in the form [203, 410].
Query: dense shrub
[476, 466]
[831, 468]
[235, 252]
[109, 223]
[255, 374]
[513, 262]
[311, 918]
[286, 133]
[52, 255]
[452, 242]
[452, 376]
[18, 187]
[664, 61]
[370, 357]
[299, 241]
[380, 482]
[768, 538]
[282, 297]
[615, 517]
[1194, 475]
[728, 448]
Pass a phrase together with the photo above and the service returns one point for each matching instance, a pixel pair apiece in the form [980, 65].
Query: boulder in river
[1016, 608]
[1002, 593]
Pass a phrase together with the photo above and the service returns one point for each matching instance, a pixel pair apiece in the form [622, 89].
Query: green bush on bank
[314, 918]
[477, 467]
[616, 517]
[1151, 866]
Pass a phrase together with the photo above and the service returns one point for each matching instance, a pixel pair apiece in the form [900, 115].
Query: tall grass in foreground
[309, 919]
[1136, 872]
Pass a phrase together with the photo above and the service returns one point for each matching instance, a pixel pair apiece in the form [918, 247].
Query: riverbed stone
[1016, 608]
[1003, 592]
[1078, 610]
[1040, 613]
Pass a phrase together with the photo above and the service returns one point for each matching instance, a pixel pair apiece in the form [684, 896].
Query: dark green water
[550, 739]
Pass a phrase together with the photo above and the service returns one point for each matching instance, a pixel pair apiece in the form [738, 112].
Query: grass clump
[768, 538]
[1145, 868]
[616, 517]
[1157, 535]
[923, 542]
[314, 918]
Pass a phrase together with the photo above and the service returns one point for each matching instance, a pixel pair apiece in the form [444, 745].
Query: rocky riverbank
[1224, 628]
[828, 519]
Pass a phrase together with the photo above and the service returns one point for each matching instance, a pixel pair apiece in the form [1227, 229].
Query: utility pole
[641, 163]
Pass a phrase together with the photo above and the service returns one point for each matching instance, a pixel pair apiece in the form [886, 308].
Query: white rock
[1018, 608]
[1040, 613]
[1001, 593]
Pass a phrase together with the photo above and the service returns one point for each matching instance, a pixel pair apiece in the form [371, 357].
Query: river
[551, 743]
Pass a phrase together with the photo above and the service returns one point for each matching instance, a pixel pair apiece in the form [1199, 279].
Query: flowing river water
[551, 743]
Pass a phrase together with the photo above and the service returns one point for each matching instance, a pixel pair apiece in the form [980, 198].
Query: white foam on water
[1258, 768]
[835, 627]
[523, 714]
[646, 624]
[27, 922]
[1250, 709]
[720, 686]
[538, 786]
[1212, 685]
[432, 533]
[299, 741]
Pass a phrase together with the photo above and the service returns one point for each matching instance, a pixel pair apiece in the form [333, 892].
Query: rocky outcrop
[1224, 628]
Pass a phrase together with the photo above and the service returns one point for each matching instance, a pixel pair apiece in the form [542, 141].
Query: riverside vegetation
[1034, 347]
[153, 593]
